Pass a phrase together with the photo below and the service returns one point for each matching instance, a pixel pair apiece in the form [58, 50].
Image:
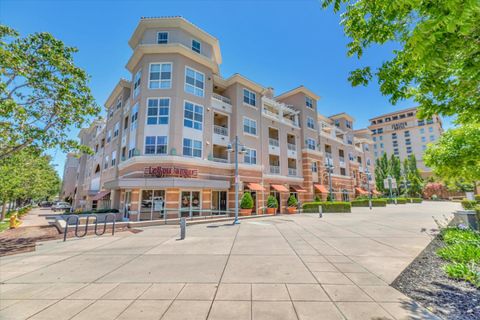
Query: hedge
[415, 200]
[468, 204]
[399, 200]
[93, 212]
[364, 203]
[327, 207]
[477, 197]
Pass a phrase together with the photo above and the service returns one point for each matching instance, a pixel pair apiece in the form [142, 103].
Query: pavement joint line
[224, 268]
[172, 301]
[133, 301]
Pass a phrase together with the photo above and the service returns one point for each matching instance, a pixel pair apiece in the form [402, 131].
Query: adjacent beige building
[69, 179]
[163, 148]
[402, 134]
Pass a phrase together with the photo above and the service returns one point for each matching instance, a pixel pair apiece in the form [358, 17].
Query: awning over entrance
[298, 188]
[255, 186]
[320, 188]
[376, 192]
[101, 195]
[361, 191]
[279, 187]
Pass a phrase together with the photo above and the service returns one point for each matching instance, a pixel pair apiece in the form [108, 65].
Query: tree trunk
[4, 210]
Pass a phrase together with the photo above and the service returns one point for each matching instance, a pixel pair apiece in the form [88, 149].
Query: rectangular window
[310, 123]
[407, 133]
[429, 121]
[337, 123]
[193, 116]
[194, 82]
[125, 123]
[250, 156]
[119, 103]
[158, 110]
[374, 139]
[109, 136]
[160, 76]
[105, 164]
[422, 130]
[156, 145]
[314, 166]
[114, 158]
[381, 145]
[162, 37]
[424, 139]
[343, 171]
[249, 97]
[311, 144]
[432, 138]
[394, 135]
[408, 142]
[309, 102]
[380, 138]
[430, 129]
[196, 46]
[250, 126]
[348, 124]
[192, 148]
[380, 130]
[409, 149]
[136, 83]
[116, 129]
[134, 117]
[421, 122]
[368, 162]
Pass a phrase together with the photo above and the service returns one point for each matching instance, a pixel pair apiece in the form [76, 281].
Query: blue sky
[282, 44]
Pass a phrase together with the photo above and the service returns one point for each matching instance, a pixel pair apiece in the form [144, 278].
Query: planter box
[469, 218]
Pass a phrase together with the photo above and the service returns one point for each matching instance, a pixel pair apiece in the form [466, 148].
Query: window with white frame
[348, 124]
[160, 76]
[309, 102]
[119, 102]
[250, 156]
[193, 116]
[105, 163]
[314, 166]
[250, 126]
[110, 112]
[310, 123]
[249, 97]
[432, 138]
[156, 145]
[114, 158]
[311, 144]
[136, 83]
[192, 148]
[109, 136]
[116, 129]
[158, 110]
[196, 46]
[134, 117]
[162, 37]
[194, 82]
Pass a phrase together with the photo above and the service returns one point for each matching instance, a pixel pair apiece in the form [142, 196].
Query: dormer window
[196, 46]
[162, 37]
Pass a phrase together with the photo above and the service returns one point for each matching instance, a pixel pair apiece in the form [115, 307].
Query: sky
[276, 43]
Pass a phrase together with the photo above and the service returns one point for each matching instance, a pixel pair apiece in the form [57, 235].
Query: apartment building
[164, 147]
[69, 179]
[402, 134]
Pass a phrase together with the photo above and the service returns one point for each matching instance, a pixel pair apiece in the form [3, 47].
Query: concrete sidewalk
[284, 267]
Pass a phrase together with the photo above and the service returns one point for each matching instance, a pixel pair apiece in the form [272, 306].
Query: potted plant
[272, 204]
[246, 204]
[292, 204]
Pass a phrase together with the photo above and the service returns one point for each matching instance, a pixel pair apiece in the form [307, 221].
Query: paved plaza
[284, 267]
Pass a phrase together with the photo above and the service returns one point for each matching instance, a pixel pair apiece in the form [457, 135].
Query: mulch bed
[425, 282]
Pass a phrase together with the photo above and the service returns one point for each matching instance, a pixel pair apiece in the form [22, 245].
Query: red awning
[361, 191]
[298, 188]
[375, 192]
[101, 195]
[255, 187]
[279, 187]
[320, 188]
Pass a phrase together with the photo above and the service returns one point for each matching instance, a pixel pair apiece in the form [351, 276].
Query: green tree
[382, 170]
[456, 155]
[436, 56]
[412, 175]
[42, 93]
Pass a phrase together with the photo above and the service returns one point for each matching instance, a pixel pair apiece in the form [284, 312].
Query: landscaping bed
[426, 282]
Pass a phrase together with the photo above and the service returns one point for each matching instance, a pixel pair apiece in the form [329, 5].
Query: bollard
[320, 211]
[370, 203]
[183, 227]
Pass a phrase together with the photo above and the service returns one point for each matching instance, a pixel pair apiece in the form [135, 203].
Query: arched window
[97, 169]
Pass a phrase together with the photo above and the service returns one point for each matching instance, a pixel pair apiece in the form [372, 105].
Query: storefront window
[219, 202]
[190, 203]
[153, 204]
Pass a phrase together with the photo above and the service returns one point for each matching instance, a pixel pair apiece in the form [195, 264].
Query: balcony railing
[292, 171]
[273, 142]
[342, 159]
[223, 160]
[274, 169]
[221, 98]
[271, 113]
[220, 130]
[292, 146]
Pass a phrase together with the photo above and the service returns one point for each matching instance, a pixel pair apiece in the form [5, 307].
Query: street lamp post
[389, 178]
[367, 172]
[330, 168]
[235, 149]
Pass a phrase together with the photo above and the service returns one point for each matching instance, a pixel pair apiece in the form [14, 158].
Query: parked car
[45, 204]
[61, 206]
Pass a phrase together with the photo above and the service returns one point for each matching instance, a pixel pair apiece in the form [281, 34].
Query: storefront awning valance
[376, 192]
[298, 188]
[320, 188]
[279, 187]
[361, 191]
[101, 195]
[255, 186]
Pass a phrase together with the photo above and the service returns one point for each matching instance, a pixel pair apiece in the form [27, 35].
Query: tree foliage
[412, 176]
[42, 93]
[456, 155]
[437, 60]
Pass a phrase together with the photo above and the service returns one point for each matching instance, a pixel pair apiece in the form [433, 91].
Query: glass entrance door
[190, 204]
[153, 203]
[219, 202]
[126, 204]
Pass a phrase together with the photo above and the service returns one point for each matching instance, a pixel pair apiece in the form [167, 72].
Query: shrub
[292, 201]
[477, 198]
[469, 204]
[464, 272]
[364, 203]
[272, 202]
[399, 200]
[415, 200]
[327, 206]
[247, 201]
[317, 199]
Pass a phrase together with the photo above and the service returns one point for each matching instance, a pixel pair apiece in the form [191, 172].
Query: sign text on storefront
[163, 172]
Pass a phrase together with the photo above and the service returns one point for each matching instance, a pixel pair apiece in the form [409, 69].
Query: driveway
[285, 267]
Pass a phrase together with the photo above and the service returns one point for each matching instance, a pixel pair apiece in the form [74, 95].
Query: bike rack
[77, 223]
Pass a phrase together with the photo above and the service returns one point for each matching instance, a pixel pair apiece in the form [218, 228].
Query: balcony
[274, 169]
[342, 161]
[328, 158]
[222, 160]
[273, 142]
[292, 172]
[221, 103]
[279, 111]
[220, 130]
[220, 154]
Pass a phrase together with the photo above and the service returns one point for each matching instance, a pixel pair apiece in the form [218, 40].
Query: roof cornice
[300, 89]
[122, 83]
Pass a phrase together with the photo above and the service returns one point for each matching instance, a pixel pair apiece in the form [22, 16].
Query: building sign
[164, 172]
[399, 126]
